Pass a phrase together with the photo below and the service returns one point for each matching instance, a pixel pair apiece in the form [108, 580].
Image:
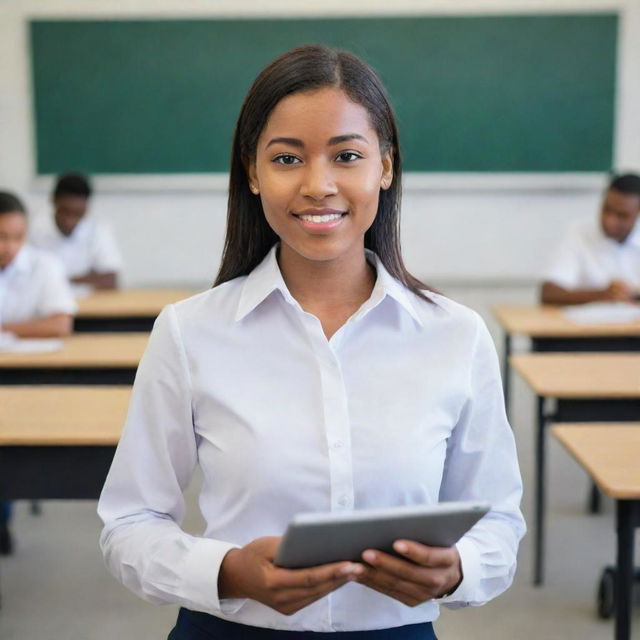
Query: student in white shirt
[600, 261]
[35, 297]
[317, 375]
[85, 244]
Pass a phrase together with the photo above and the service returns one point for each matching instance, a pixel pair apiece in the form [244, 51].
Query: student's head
[70, 200]
[316, 133]
[620, 206]
[13, 227]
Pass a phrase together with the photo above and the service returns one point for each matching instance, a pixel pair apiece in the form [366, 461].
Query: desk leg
[538, 524]
[595, 502]
[624, 570]
[506, 370]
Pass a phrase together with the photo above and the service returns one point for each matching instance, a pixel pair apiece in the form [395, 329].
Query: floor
[55, 586]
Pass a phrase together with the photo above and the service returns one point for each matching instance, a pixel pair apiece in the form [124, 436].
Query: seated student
[85, 244]
[35, 297]
[600, 262]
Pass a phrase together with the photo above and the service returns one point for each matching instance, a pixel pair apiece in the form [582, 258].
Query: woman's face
[319, 171]
[13, 234]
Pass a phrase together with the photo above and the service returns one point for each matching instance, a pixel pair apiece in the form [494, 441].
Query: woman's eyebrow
[296, 142]
[346, 137]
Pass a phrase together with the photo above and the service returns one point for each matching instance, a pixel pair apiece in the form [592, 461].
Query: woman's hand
[427, 572]
[249, 572]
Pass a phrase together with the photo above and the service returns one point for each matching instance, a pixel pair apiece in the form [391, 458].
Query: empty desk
[610, 454]
[586, 387]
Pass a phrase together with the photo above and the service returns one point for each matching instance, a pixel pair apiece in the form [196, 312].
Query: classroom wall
[456, 227]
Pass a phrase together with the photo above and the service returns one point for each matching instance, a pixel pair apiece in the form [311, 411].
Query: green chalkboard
[488, 93]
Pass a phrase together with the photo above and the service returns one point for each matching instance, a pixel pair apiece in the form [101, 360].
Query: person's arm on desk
[53, 326]
[617, 291]
[104, 280]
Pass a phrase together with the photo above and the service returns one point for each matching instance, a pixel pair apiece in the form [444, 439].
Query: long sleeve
[142, 502]
[481, 464]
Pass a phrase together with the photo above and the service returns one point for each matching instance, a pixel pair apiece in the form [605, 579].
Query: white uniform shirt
[402, 406]
[34, 286]
[90, 247]
[587, 259]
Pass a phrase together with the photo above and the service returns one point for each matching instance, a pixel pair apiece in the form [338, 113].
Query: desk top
[608, 451]
[549, 322]
[129, 302]
[62, 415]
[580, 375]
[84, 350]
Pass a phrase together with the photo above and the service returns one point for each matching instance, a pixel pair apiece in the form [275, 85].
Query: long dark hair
[249, 237]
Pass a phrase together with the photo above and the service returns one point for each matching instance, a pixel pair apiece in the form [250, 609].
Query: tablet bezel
[313, 539]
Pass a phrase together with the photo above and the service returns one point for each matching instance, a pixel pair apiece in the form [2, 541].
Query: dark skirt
[193, 625]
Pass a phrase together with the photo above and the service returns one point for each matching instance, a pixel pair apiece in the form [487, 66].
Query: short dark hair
[626, 183]
[11, 204]
[72, 184]
[249, 237]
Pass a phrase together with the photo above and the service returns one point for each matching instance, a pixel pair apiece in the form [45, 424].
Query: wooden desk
[58, 442]
[586, 387]
[549, 330]
[610, 454]
[125, 310]
[85, 359]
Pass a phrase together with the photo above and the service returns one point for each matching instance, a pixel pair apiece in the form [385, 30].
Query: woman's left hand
[427, 572]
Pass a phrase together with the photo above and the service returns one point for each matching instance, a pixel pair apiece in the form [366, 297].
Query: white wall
[455, 227]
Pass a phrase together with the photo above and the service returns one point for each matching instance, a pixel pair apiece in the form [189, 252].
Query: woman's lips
[320, 219]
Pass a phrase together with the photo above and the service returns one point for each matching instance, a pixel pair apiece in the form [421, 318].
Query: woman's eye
[286, 159]
[347, 156]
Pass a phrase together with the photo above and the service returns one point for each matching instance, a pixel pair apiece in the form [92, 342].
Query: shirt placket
[336, 416]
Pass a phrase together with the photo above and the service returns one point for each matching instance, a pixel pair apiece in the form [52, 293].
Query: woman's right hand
[249, 572]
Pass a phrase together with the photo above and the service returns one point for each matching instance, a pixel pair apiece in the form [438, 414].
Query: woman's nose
[318, 181]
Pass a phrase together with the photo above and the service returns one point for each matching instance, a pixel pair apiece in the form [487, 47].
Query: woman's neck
[332, 290]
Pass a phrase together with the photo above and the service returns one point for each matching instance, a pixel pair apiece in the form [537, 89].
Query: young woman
[317, 375]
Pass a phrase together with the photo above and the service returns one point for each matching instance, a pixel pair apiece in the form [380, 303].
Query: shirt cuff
[470, 562]
[200, 582]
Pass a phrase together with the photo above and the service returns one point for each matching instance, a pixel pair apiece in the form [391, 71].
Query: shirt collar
[634, 235]
[262, 282]
[21, 263]
[267, 278]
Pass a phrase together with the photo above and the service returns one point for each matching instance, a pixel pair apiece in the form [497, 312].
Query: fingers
[426, 573]
[292, 590]
[315, 576]
[425, 556]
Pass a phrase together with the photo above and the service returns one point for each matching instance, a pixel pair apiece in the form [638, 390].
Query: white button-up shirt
[90, 247]
[403, 405]
[587, 259]
[34, 286]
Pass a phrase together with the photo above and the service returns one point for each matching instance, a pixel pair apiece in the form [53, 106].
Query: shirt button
[343, 501]
[337, 444]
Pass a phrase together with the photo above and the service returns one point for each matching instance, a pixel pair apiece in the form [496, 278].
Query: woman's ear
[253, 178]
[387, 170]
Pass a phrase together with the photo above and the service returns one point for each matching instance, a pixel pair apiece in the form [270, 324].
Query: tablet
[312, 539]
